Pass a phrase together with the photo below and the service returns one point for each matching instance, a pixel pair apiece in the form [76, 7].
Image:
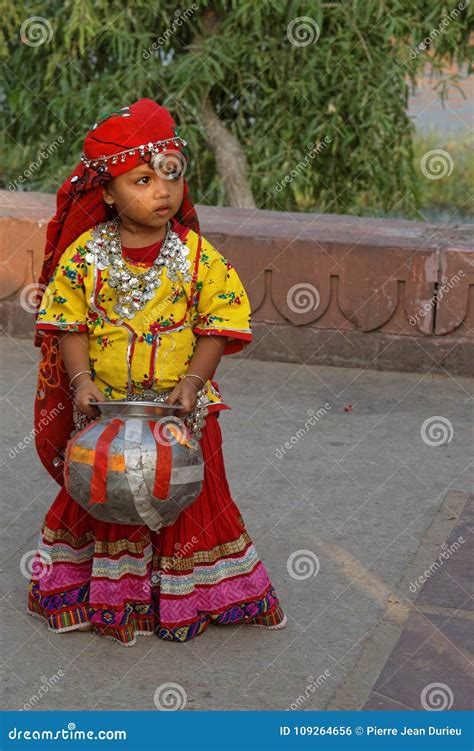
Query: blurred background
[360, 107]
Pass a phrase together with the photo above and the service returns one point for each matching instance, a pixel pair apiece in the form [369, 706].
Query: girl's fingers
[172, 398]
[83, 403]
[189, 406]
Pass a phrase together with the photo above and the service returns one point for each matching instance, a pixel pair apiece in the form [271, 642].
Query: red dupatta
[118, 142]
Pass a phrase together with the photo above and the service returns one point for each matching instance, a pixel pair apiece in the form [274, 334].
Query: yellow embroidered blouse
[154, 348]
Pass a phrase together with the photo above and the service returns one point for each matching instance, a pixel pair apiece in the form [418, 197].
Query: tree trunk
[230, 159]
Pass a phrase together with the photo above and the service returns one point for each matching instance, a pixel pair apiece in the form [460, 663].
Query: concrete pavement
[340, 475]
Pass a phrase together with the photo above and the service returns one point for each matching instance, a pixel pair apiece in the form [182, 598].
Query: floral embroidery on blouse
[154, 348]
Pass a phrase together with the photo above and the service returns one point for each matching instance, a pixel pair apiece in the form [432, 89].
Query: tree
[285, 105]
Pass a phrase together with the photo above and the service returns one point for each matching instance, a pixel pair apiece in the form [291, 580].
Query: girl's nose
[161, 188]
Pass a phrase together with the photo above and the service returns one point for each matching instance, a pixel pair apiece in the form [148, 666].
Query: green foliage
[453, 192]
[350, 85]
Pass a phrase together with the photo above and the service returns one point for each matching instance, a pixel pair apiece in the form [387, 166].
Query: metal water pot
[136, 464]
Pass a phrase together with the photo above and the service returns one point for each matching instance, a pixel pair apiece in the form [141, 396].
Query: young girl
[136, 301]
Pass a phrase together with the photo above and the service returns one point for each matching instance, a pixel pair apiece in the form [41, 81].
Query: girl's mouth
[163, 211]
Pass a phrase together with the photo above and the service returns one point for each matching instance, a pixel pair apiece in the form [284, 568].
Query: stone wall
[324, 289]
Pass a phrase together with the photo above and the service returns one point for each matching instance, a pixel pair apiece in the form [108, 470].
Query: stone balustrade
[325, 289]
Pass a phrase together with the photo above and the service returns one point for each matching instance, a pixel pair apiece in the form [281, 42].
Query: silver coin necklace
[133, 290]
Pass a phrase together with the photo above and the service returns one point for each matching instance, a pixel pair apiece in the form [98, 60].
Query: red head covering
[121, 140]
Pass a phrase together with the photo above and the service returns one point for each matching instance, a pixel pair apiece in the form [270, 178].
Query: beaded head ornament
[120, 140]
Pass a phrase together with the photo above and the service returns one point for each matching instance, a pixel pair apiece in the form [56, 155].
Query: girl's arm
[74, 348]
[206, 358]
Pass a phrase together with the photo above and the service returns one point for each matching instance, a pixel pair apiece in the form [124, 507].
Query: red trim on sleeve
[67, 327]
[237, 340]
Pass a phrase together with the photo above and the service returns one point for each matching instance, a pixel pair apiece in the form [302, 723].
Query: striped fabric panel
[61, 552]
[199, 557]
[115, 568]
[175, 609]
[223, 569]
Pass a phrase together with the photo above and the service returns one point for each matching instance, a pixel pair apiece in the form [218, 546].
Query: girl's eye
[145, 177]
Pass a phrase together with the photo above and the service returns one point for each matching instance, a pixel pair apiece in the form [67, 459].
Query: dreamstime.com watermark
[46, 685]
[182, 551]
[43, 155]
[313, 151]
[179, 19]
[67, 734]
[314, 683]
[438, 295]
[46, 418]
[310, 422]
[425, 44]
[150, 320]
[448, 551]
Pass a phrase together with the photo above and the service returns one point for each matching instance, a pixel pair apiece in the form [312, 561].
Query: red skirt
[127, 580]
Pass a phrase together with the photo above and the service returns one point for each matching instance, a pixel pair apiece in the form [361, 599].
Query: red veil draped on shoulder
[79, 207]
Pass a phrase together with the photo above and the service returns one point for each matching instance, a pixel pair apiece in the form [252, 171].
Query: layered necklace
[135, 290]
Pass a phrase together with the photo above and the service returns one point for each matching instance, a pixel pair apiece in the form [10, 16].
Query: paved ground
[344, 519]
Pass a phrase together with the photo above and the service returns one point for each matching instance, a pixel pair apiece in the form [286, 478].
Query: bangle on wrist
[81, 372]
[193, 375]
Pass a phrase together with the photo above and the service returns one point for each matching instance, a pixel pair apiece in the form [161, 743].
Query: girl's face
[139, 193]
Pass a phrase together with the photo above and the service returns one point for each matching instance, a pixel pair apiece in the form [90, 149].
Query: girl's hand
[85, 392]
[185, 392]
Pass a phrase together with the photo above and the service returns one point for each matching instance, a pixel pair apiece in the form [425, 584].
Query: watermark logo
[302, 31]
[303, 564]
[303, 297]
[436, 164]
[170, 697]
[437, 697]
[436, 431]
[33, 294]
[171, 431]
[170, 164]
[36, 31]
[36, 564]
